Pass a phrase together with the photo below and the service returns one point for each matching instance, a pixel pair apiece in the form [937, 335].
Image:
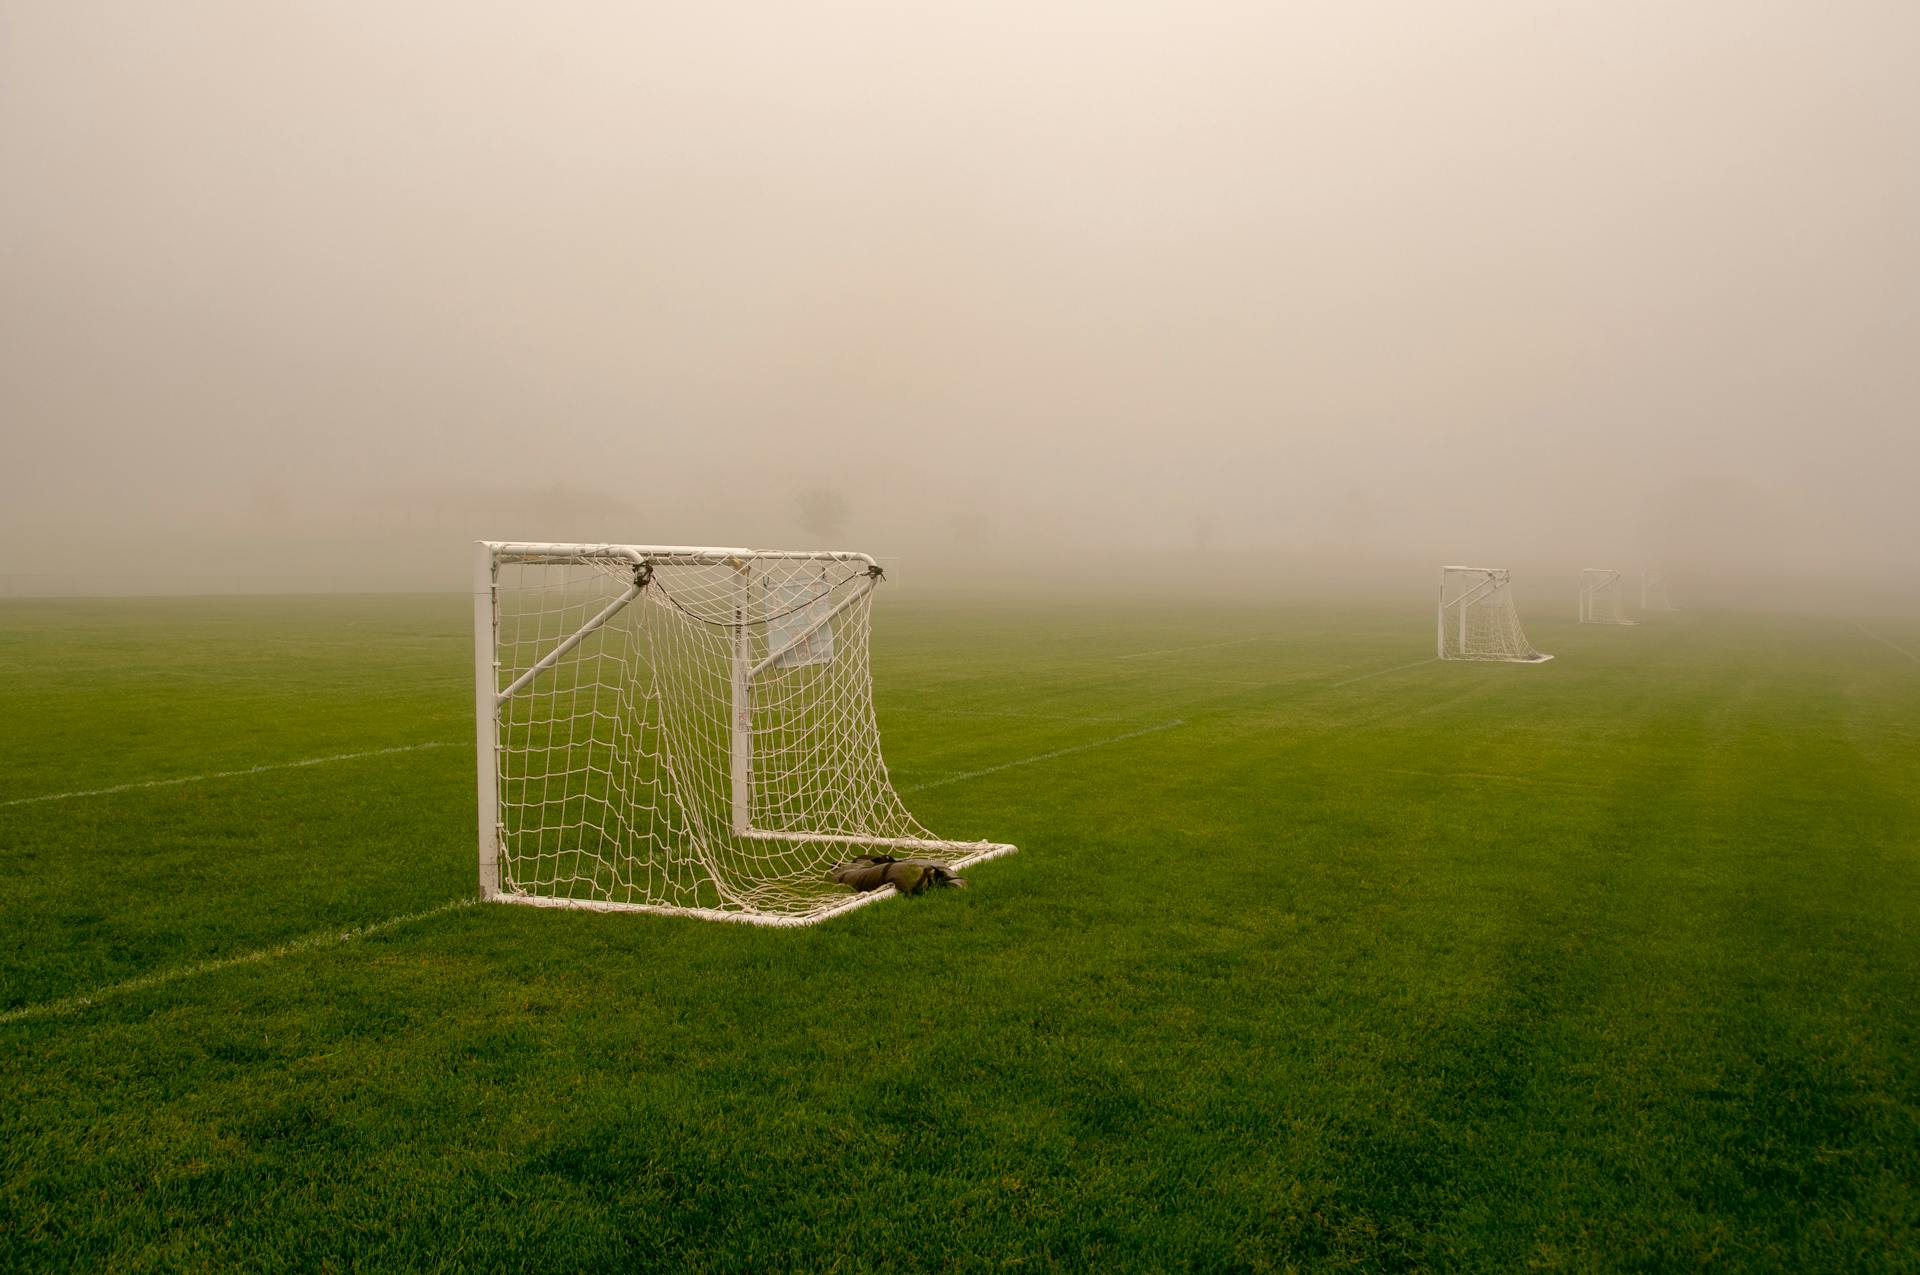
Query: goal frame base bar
[1541, 658]
[887, 843]
[982, 851]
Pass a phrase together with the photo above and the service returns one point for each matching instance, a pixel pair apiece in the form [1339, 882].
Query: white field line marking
[140, 983]
[1040, 757]
[1382, 672]
[1888, 642]
[253, 677]
[1568, 784]
[225, 774]
[1204, 646]
[1013, 712]
[1237, 681]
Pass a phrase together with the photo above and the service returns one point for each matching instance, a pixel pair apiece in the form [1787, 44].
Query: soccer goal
[682, 730]
[1600, 591]
[1477, 619]
[1653, 592]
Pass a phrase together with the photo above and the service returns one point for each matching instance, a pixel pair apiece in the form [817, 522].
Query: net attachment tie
[643, 575]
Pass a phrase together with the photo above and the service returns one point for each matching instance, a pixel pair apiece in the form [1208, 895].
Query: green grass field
[1316, 956]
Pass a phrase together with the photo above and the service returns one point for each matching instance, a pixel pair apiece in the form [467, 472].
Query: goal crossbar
[510, 551]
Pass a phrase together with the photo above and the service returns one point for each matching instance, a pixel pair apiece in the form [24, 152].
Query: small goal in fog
[1653, 592]
[682, 730]
[1477, 619]
[1600, 591]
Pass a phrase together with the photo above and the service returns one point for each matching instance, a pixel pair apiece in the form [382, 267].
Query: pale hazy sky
[1498, 279]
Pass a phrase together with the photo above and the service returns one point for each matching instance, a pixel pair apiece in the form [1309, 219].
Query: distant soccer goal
[1653, 592]
[682, 730]
[1477, 619]
[1600, 591]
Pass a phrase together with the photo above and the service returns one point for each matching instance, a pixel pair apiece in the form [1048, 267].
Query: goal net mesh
[706, 744]
[1478, 620]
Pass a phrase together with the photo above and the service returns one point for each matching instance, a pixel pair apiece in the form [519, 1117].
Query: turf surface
[1316, 955]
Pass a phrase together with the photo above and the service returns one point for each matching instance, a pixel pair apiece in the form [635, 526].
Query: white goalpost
[1477, 618]
[682, 730]
[1600, 591]
[1653, 592]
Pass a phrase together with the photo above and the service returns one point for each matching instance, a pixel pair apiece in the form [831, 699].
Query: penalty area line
[1381, 672]
[223, 774]
[140, 983]
[1040, 757]
[1888, 642]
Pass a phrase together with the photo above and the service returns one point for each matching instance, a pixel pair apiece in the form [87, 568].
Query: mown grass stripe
[224, 774]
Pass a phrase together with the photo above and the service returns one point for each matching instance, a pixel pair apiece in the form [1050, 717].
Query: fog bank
[310, 295]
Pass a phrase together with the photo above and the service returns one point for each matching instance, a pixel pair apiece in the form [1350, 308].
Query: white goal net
[1600, 591]
[1653, 592]
[1477, 619]
[682, 730]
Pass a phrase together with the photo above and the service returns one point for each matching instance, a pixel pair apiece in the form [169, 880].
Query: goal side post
[486, 718]
[740, 738]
